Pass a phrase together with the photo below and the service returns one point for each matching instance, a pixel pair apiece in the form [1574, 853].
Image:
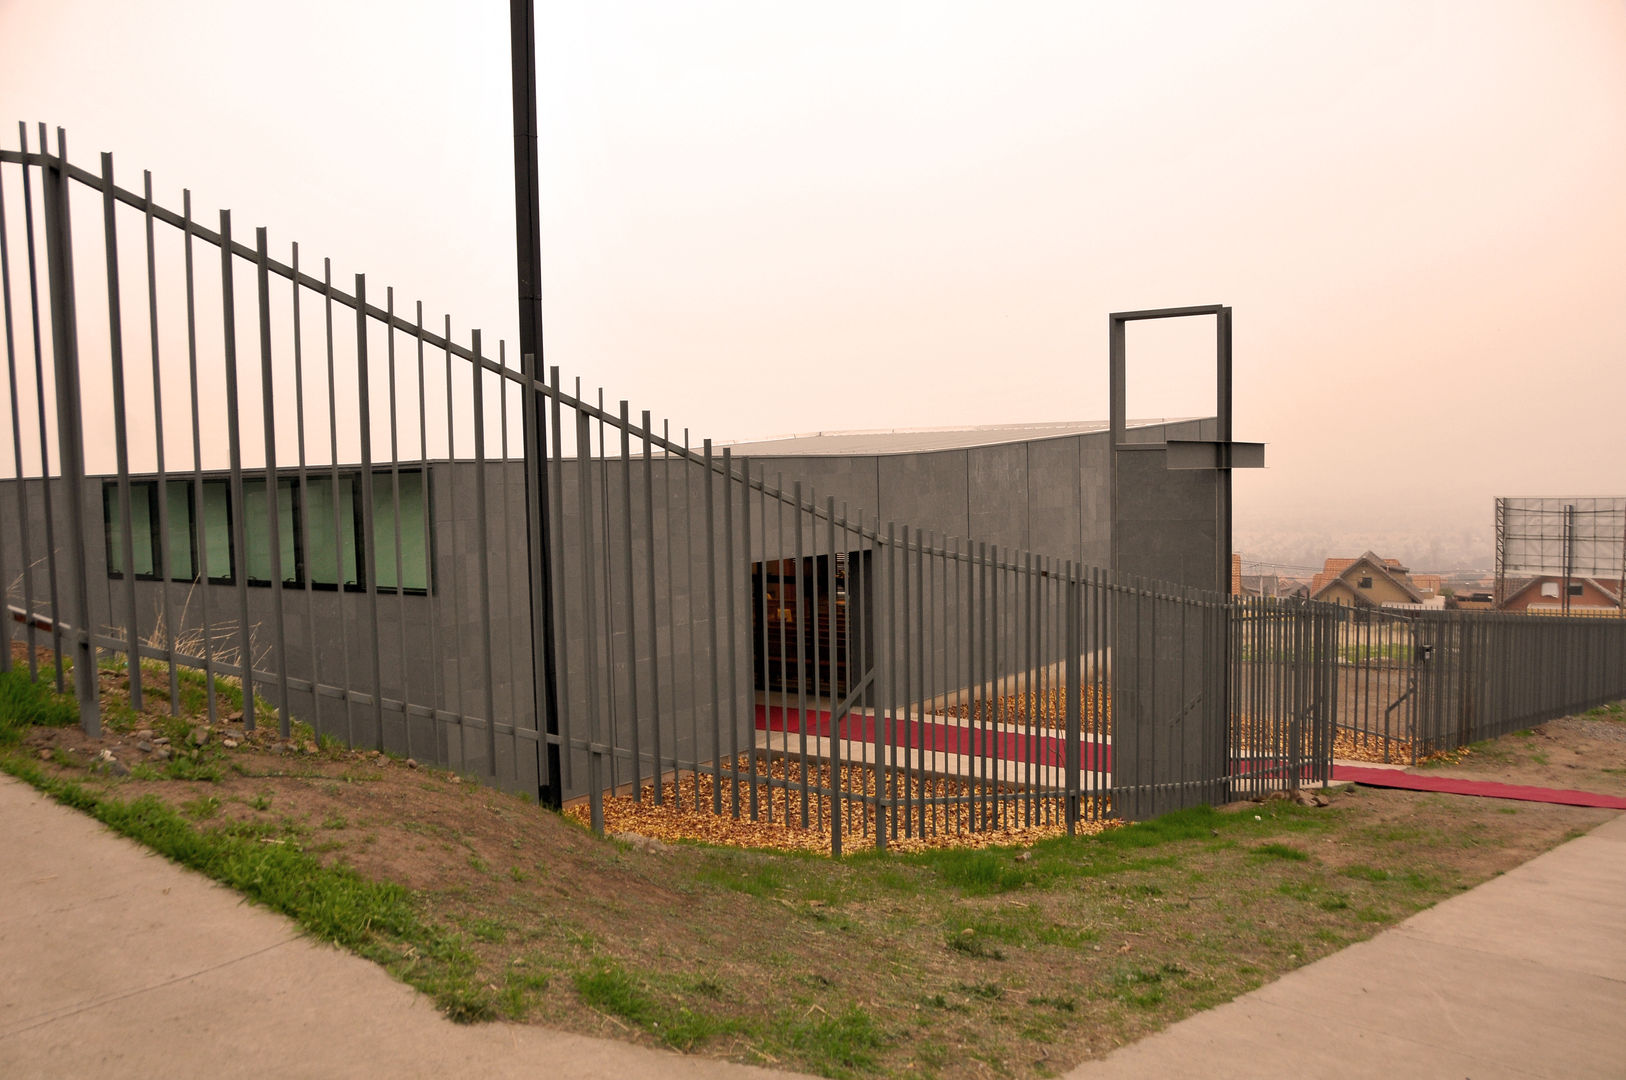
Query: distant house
[1371, 581]
[1545, 596]
[1472, 600]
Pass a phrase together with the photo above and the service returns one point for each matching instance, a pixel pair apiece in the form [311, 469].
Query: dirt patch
[1585, 753]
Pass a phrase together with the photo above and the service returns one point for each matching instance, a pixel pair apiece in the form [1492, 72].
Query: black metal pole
[528, 251]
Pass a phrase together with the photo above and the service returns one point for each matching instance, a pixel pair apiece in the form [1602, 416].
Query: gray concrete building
[659, 646]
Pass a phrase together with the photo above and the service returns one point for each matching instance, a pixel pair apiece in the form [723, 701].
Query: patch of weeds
[261, 801]
[1365, 873]
[523, 981]
[143, 771]
[192, 767]
[972, 944]
[1142, 988]
[839, 1045]
[979, 873]
[744, 874]
[1060, 1004]
[1539, 759]
[706, 986]
[25, 703]
[1280, 851]
[988, 991]
[611, 989]
[335, 821]
[478, 864]
[201, 808]
[518, 874]
[491, 931]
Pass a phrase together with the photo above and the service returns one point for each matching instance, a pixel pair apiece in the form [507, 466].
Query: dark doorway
[804, 637]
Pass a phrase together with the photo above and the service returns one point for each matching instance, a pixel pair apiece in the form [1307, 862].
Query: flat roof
[921, 440]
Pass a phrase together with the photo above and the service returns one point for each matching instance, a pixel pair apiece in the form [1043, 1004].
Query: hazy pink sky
[765, 218]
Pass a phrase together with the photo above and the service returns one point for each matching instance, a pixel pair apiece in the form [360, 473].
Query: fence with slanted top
[223, 463]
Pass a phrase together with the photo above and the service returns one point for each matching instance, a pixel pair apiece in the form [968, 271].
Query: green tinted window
[407, 526]
[180, 530]
[141, 531]
[331, 556]
[257, 530]
[216, 540]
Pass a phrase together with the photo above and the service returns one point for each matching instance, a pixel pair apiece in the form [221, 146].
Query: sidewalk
[1523, 976]
[117, 963]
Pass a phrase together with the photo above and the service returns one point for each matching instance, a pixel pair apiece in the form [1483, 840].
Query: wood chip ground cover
[1015, 961]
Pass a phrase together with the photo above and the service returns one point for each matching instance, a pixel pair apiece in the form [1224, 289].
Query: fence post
[1072, 694]
[70, 431]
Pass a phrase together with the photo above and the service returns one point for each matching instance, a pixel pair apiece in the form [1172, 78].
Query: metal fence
[412, 544]
[1416, 683]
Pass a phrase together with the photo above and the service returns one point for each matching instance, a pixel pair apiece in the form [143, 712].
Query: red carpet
[1394, 778]
[942, 738]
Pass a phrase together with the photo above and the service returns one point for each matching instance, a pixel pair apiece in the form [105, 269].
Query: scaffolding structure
[1566, 538]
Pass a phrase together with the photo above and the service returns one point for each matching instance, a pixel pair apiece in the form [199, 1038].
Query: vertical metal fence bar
[858, 663]
[671, 608]
[200, 527]
[648, 437]
[70, 432]
[395, 521]
[811, 628]
[921, 717]
[163, 567]
[800, 612]
[733, 635]
[482, 554]
[1072, 695]
[958, 678]
[636, 717]
[886, 657]
[779, 562]
[432, 599]
[273, 524]
[761, 682]
[903, 728]
[734, 572]
[302, 519]
[52, 585]
[694, 640]
[511, 592]
[335, 498]
[584, 492]
[837, 691]
[367, 546]
[23, 549]
[561, 595]
[235, 506]
[710, 477]
[121, 445]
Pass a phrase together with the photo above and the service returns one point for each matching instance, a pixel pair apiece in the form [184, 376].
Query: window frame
[197, 530]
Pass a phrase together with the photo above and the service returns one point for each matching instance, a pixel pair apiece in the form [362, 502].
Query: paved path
[115, 962]
[1459, 785]
[1524, 976]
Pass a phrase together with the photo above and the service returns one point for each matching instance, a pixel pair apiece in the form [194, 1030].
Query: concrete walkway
[116, 963]
[1523, 976]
